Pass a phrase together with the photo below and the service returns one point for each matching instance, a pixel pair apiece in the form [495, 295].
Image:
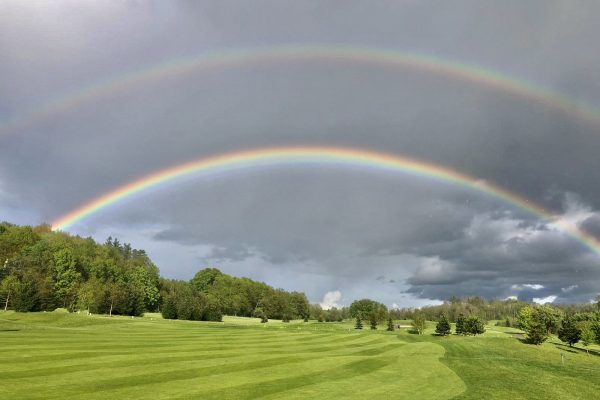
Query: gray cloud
[313, 228]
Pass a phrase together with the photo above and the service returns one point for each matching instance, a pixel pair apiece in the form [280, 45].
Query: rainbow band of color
[318, 155]
[184, 66]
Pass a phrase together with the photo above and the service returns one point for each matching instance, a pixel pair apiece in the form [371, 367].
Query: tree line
[211, 293]
[41, 270]
[571, 325]
[487, 310]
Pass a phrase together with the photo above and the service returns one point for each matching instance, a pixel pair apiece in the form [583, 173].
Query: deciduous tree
[419, 323]
[569, 332]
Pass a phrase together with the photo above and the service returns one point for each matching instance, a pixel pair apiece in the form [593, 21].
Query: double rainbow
[269, 157]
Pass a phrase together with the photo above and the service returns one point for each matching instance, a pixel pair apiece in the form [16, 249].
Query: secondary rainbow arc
[323, 155]
[432, 64]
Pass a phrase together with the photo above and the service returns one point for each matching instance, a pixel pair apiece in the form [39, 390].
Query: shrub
[358, 324]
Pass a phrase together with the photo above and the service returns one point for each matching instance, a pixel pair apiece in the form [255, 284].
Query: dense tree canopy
[41, 270]
[368, 309]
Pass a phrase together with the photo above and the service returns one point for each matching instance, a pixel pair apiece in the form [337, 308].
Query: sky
[336, 233]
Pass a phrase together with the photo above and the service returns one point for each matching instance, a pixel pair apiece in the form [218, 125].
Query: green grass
[60, 356]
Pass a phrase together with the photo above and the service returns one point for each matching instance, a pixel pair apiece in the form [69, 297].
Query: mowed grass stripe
[31, 369]
[410, 377]
[216, 384]
[200, 340]
[205, 337]
[20, 355]
[276, 386]
[82, 382]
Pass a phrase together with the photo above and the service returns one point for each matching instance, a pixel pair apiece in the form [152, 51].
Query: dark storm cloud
[318, 229]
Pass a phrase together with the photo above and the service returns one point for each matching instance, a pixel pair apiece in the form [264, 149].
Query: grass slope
[59, 356]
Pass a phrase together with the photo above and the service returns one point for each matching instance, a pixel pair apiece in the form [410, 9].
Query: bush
[169, 309]
[473, 325]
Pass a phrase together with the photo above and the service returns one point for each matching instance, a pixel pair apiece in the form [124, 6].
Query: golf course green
[57, 355]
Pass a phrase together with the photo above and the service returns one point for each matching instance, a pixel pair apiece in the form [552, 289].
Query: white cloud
[395, 306]
[534, 286]
[569, 288]
[511, 298]
[544, 300]
[331, 299]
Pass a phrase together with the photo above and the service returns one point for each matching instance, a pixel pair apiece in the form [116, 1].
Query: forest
[43, 270]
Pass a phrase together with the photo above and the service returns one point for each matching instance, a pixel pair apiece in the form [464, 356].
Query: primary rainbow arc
[318, 155]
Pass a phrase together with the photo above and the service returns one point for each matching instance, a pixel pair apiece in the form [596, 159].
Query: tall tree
[525, 318]
[66, 276]
[115, 294]
[443, 326]
[390, 324]
[587, 334]
[569, 332]
[373, 322]
[419, 323]
[89, 294]
[536, 332]
[365, 308]
[205, 278]
[7, 289]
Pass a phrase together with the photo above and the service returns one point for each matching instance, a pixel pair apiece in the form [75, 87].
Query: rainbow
[268, 157]
[180, 67]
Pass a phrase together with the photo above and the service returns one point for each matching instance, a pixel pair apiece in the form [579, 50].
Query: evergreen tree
[443, 326]
[358, 324]
[537, 332]
[373, 322]
[390, 325]
[569, 332]
[507, 322]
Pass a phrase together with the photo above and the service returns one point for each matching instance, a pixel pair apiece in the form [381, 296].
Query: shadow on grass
[9, 330]
[576, 350]
[513, 332]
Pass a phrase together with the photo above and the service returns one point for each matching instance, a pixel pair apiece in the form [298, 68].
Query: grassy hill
[60, 355]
